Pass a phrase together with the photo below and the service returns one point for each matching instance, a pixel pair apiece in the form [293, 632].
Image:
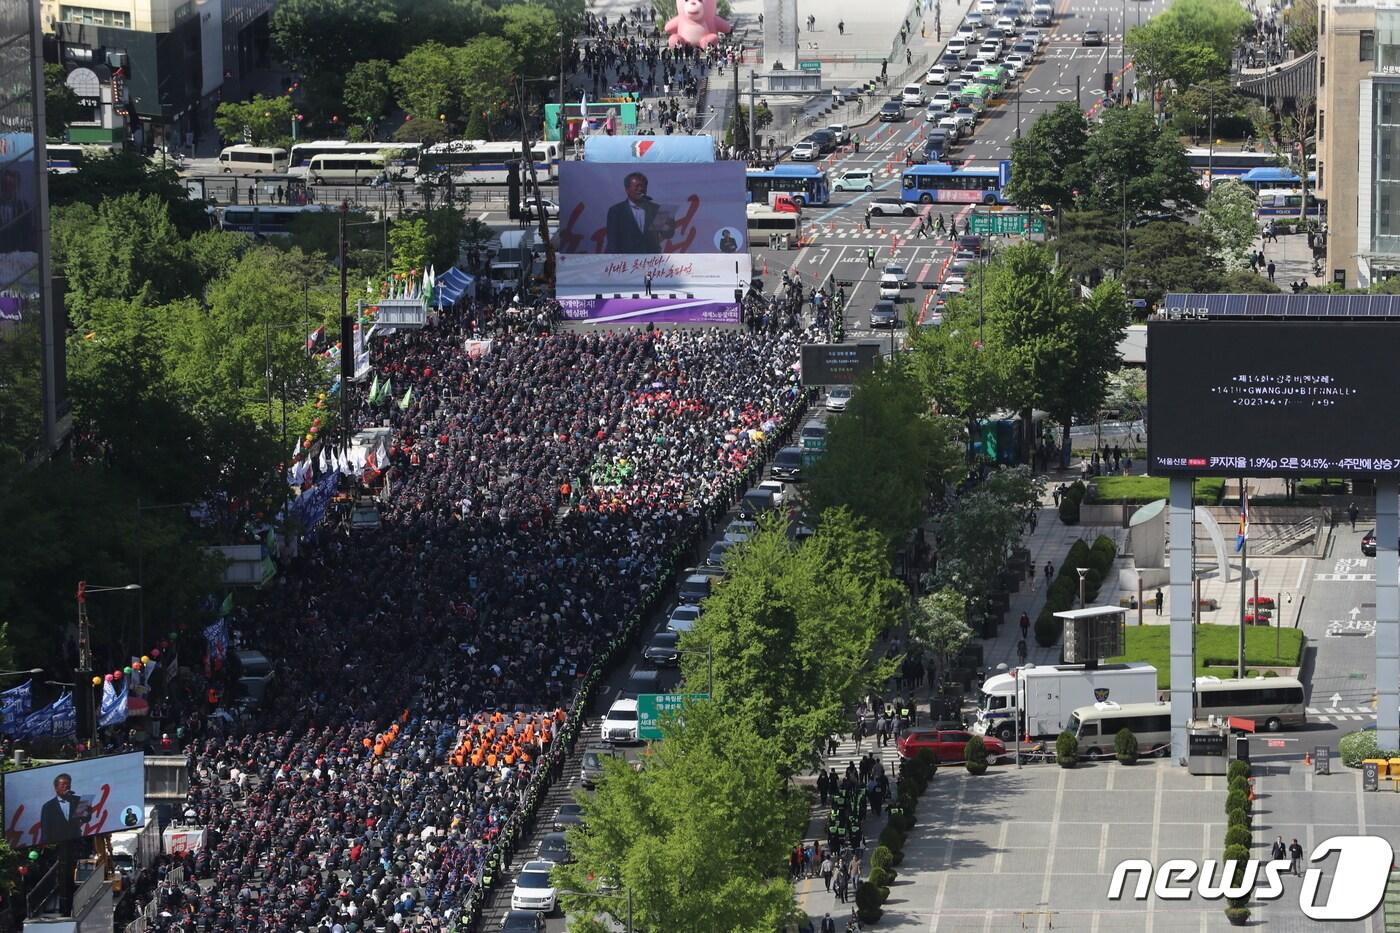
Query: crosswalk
[1340, 714]
[1344, 577]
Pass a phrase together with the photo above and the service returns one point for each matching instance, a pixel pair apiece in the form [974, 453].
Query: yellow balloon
[97, 681]
[145, 659]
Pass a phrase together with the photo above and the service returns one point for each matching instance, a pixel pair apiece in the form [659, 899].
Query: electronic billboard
[62, 802]
[1273, 397]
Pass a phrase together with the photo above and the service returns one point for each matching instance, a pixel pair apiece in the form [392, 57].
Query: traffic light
[1108, 82]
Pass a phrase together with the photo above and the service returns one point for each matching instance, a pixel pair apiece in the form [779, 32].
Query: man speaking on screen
[638, 224]
[62, 818]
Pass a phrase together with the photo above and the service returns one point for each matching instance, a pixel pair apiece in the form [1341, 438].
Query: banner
[216, 636]
[591, 118]
[649, 310]
[62, 802]
[15, 704]
[672, 274]
[113, 709]
[56, 720]
[651, 149]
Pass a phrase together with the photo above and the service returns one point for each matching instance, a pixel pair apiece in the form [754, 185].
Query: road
[839, 239]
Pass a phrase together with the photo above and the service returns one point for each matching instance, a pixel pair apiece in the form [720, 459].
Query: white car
[991, 49]
[855, 179]
[890, 287]
[533, 889]
[1033, 35]
[955, 279]
[530, 206]
[956, 46]
[986, 6]
[975, 18]
[935, 110]
[777, 487]
[1015, 63]
[839, 130]
[938, 74]
[682, 618]
[739, 531]
[838, 398]
[954, 126]
[1006, 22]
[967, 31]
[619, 725]
[913, 95]
[806, 152]
[943, 98]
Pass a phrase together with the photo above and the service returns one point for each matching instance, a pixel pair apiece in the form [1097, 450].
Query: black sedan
[570, 814]
[892, 112]
[554, 847]
[1368, 543]
[523, 921]
[884, 315]
[662, 650]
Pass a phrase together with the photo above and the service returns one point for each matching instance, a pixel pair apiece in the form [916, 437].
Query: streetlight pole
[1083, 572]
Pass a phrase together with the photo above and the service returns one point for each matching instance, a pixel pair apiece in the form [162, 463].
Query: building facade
[177, 58]
[33, 398]
[1358, 138]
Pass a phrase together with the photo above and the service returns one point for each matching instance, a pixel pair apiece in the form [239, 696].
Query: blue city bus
[807, 184]
[1228, 163]
[1259, 179]
[939, 183]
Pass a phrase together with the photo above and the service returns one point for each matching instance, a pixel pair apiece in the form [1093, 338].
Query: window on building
[1368, 45]
[1321, 125]
[91, 17]
[1322, 21]
[1321, 71]
[1385, 169]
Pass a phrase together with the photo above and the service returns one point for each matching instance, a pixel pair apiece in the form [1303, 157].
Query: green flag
[227, 607]
[407, 399]
[374, 389]
[387, 391]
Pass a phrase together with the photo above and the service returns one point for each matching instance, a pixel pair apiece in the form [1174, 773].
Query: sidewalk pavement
[1292, 260]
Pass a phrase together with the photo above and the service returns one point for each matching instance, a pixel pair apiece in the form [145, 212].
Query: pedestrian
[1025, 624]
[826, 871]
[941, 225]
[1352, 512]
[646, 279]
[841, 27]
[1049, 572]
[867, 226]
[822, 787]
[1021, 649]
[1271, 270]
[841, 882]
[870, 257]
[881, 724]
[828, 925]
[1157, 601]
[1295, 858]
[833, 741]
[1279, 852]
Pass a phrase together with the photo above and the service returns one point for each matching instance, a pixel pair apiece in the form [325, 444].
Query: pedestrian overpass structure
[1251, 386]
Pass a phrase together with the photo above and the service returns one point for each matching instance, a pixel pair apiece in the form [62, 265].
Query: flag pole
[1244, 567]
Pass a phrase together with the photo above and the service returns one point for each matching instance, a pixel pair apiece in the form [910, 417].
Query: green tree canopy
[408, 245]
[489, 65]
[427, 82]
[1047, 163]
[1132, 166]
[1169, 256]
[320, 35]
[368, 92]
[1228, 219]
[1191, 41]
[267, 120]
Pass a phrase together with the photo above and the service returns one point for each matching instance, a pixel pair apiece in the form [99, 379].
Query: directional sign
[809, 66]
[1370, 775]
[651, 706]
[1006, 222]
[1322, 760]
[1336, 700]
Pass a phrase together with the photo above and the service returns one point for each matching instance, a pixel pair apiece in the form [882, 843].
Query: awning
[451, 286]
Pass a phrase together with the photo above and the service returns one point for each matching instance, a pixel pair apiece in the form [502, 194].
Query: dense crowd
[424, 671]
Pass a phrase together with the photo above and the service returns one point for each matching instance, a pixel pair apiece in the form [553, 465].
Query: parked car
[1008, 23]
[591, 768]
[855, 179]
[620, 722]
[739, 531]
[1368, 543]
[787, 464]
[950, 745]
[891, 112]
[639, 681]
[806, 151]
[664, 649]
[533, 889]
[884, 314]
[682, 618]
[523, 921]
[825, 139]
[967, 31]
[935, 110]
[890, 206]
[568, 814]
[554, 847]
[715, 558]
[838, 397]
[956, 46]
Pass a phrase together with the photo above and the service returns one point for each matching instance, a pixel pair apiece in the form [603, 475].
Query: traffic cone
[1307, 758]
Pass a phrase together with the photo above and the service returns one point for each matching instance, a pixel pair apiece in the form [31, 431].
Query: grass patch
[1152, 643]
[1149, 488]
[1316, 487]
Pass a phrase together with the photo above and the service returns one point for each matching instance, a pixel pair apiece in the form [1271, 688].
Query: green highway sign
[809, 66]
[651, 706]
[1006, 222]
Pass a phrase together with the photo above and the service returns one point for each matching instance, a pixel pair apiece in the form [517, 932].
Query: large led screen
[60, 803]
[1273, 398]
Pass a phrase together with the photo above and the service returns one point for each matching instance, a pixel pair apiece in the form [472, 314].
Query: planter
[1068, 762]
[1127, 759]
[1238, 916]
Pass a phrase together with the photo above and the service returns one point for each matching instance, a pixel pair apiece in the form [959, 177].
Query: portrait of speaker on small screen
[64, 814]
[637, 223]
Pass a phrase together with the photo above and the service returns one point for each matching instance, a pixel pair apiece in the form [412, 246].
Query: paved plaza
[1035, 849]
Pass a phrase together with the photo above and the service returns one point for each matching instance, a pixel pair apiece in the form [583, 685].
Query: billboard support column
[1387, 614]
[1181, 563]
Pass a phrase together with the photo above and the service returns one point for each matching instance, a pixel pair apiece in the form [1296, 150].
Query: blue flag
[56, 720]
[113, 704]
[15, 704]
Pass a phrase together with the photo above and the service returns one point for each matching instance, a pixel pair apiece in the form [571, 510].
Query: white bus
[478, 162]
[253, 160]
[401, 156]
[1097, 726]
[359, 169]
[66, 158]
[1272, 702]
[259, 220]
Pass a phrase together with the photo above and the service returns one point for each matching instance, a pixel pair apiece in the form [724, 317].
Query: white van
[253, 160]
[913, 95]
[359, 169]
[1097, 726]
[855, 179]
[1043, 14]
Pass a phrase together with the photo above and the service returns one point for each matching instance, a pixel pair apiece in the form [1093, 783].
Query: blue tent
[451, 286]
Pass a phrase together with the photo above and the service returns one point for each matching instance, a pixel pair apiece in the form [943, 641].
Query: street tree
[1189, 42]
[262, 121]
[886, 432]
[368, 93]
[1085, 240]
[1085, 341]
[1228, 218]
[322, 35]
[408, 245]
[697, 838]
[533, 33]
[489, 66]
[1048, 161]
[427, 82]
[1300, 26]
[1132, 166]
[1166, 256]
[111, 175]
[939, 626]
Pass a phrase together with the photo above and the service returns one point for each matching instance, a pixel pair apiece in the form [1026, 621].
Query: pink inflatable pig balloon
[696, 23]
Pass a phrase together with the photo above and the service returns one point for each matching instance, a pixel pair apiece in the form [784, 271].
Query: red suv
[949, 745]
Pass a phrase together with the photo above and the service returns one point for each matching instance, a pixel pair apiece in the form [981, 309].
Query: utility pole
[344, 322]
[753, 110]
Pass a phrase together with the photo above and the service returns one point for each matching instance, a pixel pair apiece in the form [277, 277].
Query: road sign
[1016, 223]
[809, 66]
[1322, 760]
[1370, 775]
[651, 706]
